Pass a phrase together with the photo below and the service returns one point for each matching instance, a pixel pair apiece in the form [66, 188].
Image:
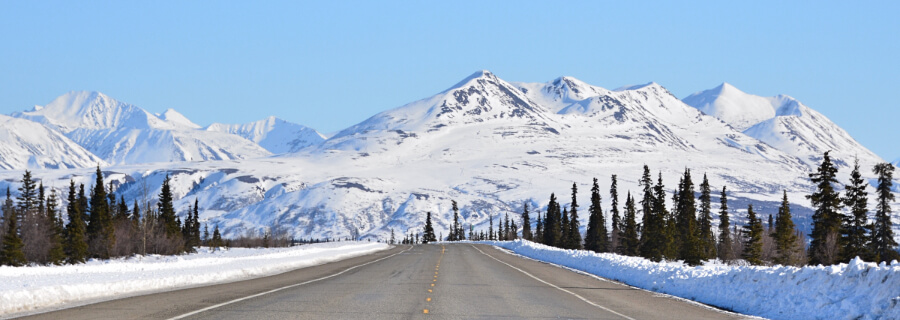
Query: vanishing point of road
[450, 281]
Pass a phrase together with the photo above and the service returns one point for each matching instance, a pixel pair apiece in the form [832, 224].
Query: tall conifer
[630, 242]
[753, 243]
[785, 238]
[704, 222]
[574, 233]
[825, 238]
[526, 223]
[883, 245]
[75, 244]
[856, 199]
[615, 235]
[725, 239]
[429, 230]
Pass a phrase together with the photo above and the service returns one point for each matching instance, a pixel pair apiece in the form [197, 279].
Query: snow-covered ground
[858, 290]
[25, 289]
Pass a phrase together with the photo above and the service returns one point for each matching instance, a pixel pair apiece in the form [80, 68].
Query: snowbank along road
[447, 281]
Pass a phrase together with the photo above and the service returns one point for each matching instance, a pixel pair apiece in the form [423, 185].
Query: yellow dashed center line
[426, 311]
[429, 299]
[436, 267]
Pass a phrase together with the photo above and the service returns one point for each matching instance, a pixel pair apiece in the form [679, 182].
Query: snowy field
[24, 289]
[858, 290]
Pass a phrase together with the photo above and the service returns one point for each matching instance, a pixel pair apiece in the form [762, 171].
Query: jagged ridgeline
[491, 145]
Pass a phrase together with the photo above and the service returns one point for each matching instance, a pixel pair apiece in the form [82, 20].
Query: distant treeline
[101, 225]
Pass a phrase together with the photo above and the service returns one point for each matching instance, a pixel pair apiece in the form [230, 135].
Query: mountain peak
[177, 119]
[481, 74]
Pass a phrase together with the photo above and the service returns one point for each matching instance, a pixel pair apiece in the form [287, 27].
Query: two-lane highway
[451, 281]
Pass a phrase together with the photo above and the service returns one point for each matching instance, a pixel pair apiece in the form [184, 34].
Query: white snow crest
[24, 289]
[857, 290]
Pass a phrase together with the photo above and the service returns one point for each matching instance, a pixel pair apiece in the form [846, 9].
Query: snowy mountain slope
[275, 135]
[792, 127]
[122, 133]
[28, 145]
[739, 109]
[488, 144]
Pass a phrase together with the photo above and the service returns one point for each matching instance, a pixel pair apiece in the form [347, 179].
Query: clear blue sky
[331, 64]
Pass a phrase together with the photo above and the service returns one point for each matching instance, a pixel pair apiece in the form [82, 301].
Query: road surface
[452, 281]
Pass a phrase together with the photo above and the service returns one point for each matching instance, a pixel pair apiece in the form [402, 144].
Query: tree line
[99, 224]
[684, 231]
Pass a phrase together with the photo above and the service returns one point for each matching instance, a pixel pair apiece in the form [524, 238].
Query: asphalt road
[454, 281]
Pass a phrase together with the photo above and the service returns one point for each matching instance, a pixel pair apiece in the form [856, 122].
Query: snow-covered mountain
[275, 135]
[785, 124]
[25, 144]
[489, 144]
[121, 133]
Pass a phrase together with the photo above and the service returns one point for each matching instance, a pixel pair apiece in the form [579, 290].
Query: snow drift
[857, 290]
[25, 289]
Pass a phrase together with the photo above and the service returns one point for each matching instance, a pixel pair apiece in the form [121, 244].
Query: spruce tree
[491, 227]
[630, 241]
[704, 222]
[539, 229]
[654, 241]
[883, 246]
[574, 233]
[565, 240]
[101, 233]
[167, 210]
[56, 254]
[856, 199]
[196, 226]
[75, 244]
[28, 198]
[513, 230]
[785, 238]
[753, 243]
[526, 223]
[506, 227]
[648, 229]
[825, 242]
[691, 248]
[454, 232]
[217, 239]
[11, 248]
[616, 234]
[596, 238]
[429, 230]
[552, 232]
[725, 241]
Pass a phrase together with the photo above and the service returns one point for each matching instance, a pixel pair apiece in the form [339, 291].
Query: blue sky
[331, 64]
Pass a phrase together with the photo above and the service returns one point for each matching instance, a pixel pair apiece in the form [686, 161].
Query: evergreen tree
[551, 224]
[506, 228]
[429, 230]
[217, 239]
[725, 240]
[690, 246]
[616, 234]
[526, 223]
[565, 240]
[56, 255]
[206, 234]
[539, 229]
[753, 243]
[654, 242]
[392, 236]
[704, 222]
[454, 233]
[647, 226]
[513, 230]
[883, 246]
[28, 198]
[596, 238]
[574, 232]
[825, 239]
[167, 210]
[785, 238]
[856, 199]
[75, 245]
[195, 232]
[11, 248]
[101, 233]
[630, 241]
[491, 227]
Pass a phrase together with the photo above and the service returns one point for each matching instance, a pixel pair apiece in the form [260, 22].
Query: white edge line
[620, 282]
[552, 285]
[279, 289]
